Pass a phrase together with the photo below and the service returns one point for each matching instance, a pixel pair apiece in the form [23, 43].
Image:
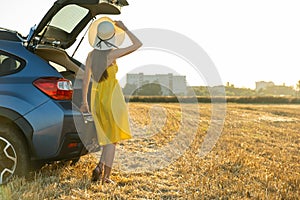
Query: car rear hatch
[67, 18]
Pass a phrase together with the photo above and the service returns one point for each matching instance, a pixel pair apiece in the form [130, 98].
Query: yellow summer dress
[109, 109]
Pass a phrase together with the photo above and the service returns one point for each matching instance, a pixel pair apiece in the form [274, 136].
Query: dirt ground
[256, 156]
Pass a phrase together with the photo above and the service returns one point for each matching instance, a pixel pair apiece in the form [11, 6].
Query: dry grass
[256, 157]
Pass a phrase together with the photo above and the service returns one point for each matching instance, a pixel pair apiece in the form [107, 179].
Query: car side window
[8, 64]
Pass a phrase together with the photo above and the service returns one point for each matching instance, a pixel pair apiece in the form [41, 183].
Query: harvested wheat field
[256, 157]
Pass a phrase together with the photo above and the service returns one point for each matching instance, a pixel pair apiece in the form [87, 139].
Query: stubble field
[256, 157]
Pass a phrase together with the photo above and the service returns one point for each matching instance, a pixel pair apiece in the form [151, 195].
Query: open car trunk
[67, 18]
[59, 29]
[61, 25]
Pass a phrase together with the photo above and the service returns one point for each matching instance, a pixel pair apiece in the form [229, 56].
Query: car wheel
[14, 159]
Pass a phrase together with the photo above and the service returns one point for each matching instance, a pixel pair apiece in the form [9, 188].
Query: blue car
[37, 113]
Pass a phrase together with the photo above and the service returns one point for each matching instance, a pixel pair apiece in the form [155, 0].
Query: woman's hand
[121, 25]
[85, 108]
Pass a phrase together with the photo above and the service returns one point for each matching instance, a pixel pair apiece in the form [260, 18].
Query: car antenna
[83, 37]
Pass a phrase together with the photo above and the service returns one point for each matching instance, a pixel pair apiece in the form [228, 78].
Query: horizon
[123, 81]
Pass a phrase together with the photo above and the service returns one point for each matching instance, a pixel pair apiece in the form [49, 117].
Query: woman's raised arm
[136, 43]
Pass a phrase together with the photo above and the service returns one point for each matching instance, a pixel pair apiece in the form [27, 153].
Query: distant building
[261, 85]
[169, 83]
[269, 88]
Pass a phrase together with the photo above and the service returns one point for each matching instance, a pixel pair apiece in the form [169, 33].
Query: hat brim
[117, 40]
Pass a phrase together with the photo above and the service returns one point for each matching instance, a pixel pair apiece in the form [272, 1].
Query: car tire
[14, 157]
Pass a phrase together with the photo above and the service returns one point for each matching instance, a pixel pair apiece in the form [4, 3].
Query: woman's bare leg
[107, 158]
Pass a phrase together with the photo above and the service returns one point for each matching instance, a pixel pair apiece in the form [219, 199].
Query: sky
[248, 41]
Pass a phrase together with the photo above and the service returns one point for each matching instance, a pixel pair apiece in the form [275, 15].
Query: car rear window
[9, 64]
[69, 17]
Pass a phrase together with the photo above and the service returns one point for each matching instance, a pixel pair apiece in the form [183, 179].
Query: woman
[107, 101]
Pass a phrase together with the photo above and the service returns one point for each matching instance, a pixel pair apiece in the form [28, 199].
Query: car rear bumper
[71, 148]
[71, 145]
[56, 131]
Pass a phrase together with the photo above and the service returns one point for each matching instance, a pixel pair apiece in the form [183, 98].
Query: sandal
[107, 180]
[97, 173]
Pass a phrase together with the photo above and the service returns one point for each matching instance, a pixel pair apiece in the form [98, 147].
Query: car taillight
[56, 88]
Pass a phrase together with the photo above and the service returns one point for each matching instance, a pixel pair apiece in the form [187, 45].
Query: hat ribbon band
[106, 42]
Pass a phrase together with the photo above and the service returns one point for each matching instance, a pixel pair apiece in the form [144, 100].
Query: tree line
[155, 89]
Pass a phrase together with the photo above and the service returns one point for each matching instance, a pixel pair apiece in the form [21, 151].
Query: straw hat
[104, 34]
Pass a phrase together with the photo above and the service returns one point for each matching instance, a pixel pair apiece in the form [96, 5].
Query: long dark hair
[99, 64]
